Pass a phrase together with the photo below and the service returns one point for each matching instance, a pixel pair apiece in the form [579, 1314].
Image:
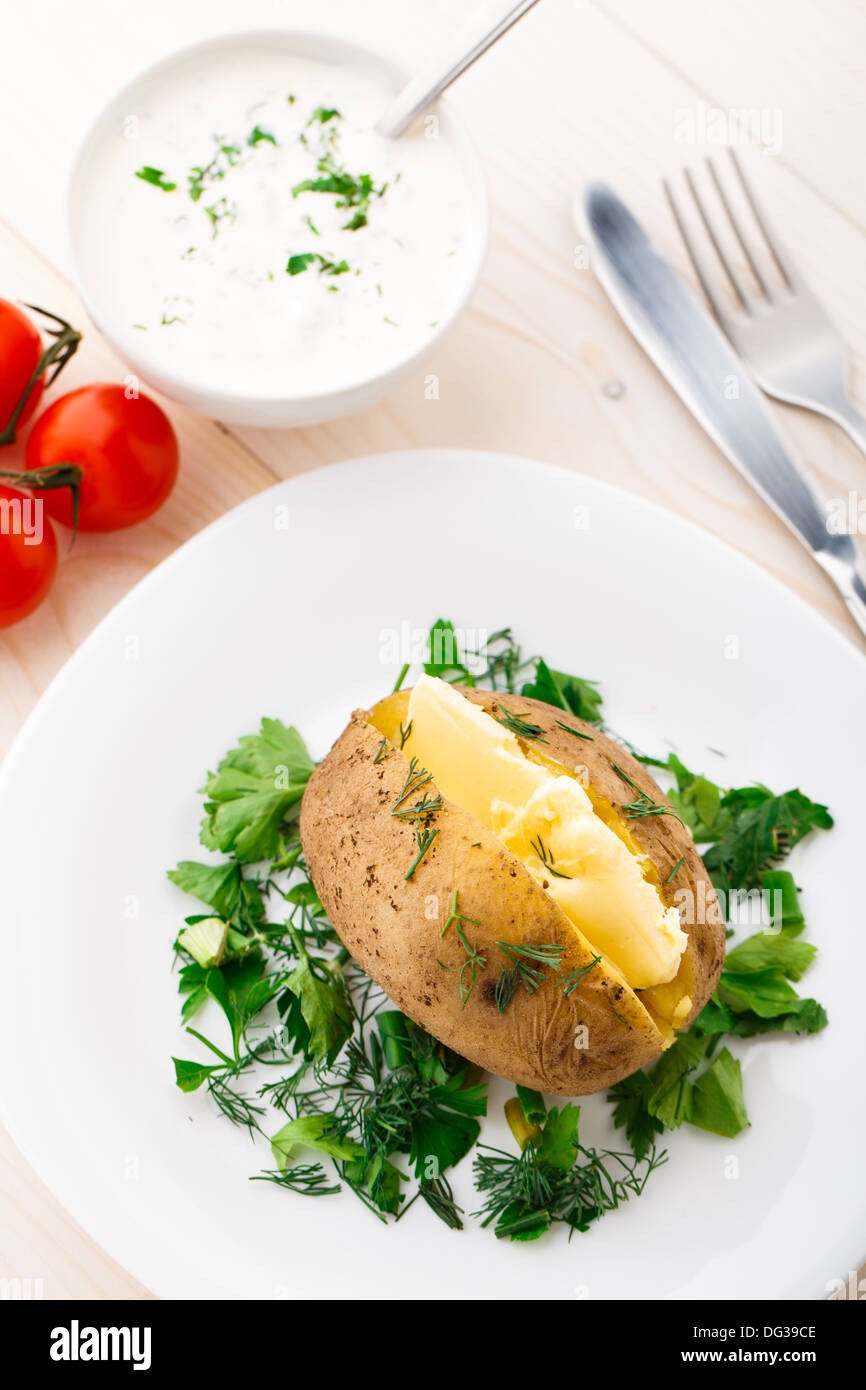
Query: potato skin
[358, 855]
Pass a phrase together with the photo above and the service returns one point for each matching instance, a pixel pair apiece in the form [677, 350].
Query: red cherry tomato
[20, 351]
[28, 555]
[125, 446]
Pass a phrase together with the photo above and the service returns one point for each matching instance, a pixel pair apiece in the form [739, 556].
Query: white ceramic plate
[693, 644]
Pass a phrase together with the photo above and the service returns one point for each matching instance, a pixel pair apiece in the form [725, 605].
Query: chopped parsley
[156, 177]
[296, 265]
[202, 176]
[754, 997]
[324, 114]
[571, 693]
[257, 136]
[351, 192]
[747, 829]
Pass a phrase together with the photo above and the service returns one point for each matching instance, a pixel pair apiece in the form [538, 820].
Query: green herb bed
[350, 1093]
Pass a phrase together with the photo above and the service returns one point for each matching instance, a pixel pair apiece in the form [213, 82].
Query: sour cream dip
[246, 230]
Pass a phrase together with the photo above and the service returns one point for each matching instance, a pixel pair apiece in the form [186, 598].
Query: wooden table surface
[539, 365]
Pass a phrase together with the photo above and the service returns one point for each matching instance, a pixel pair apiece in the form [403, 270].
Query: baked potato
[515, 881]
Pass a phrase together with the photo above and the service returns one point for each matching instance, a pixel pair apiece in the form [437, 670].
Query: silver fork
[782, 333]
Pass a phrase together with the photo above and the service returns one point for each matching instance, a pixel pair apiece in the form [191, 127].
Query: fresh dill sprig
[546, 857]
[237, 1108]
[506, 986]
[549, 954]
[570, 982]
[416, 778]
[675, 870]
[455, 916]
[503, 661]
[423, 839]
[519, 725]
[643, 805]
[523, 970]
[474, 962]
[524, 1195]
[570, 730]
[421, 810]
[310, 1179]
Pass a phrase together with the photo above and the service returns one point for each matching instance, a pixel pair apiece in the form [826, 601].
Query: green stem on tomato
[55, 475]
[56, 355]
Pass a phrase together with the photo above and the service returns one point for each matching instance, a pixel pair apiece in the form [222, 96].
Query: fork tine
[738, 231]
[717, 247]
[786, 268]
[695, 256]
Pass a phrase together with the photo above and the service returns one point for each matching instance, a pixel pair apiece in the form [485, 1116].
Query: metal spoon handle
[468, 45]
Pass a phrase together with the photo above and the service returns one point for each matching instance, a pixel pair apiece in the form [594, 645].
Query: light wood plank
[799, 62]
[43, 1252]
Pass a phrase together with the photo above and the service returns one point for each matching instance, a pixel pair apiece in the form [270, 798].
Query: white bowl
[280, 407]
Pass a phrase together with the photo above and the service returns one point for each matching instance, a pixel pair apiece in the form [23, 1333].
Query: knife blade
[699, 363]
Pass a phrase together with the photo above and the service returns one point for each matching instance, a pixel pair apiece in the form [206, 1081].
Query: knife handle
[841, 563]
[856, 602]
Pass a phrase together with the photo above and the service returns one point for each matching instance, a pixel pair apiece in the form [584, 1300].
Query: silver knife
[697, 360]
